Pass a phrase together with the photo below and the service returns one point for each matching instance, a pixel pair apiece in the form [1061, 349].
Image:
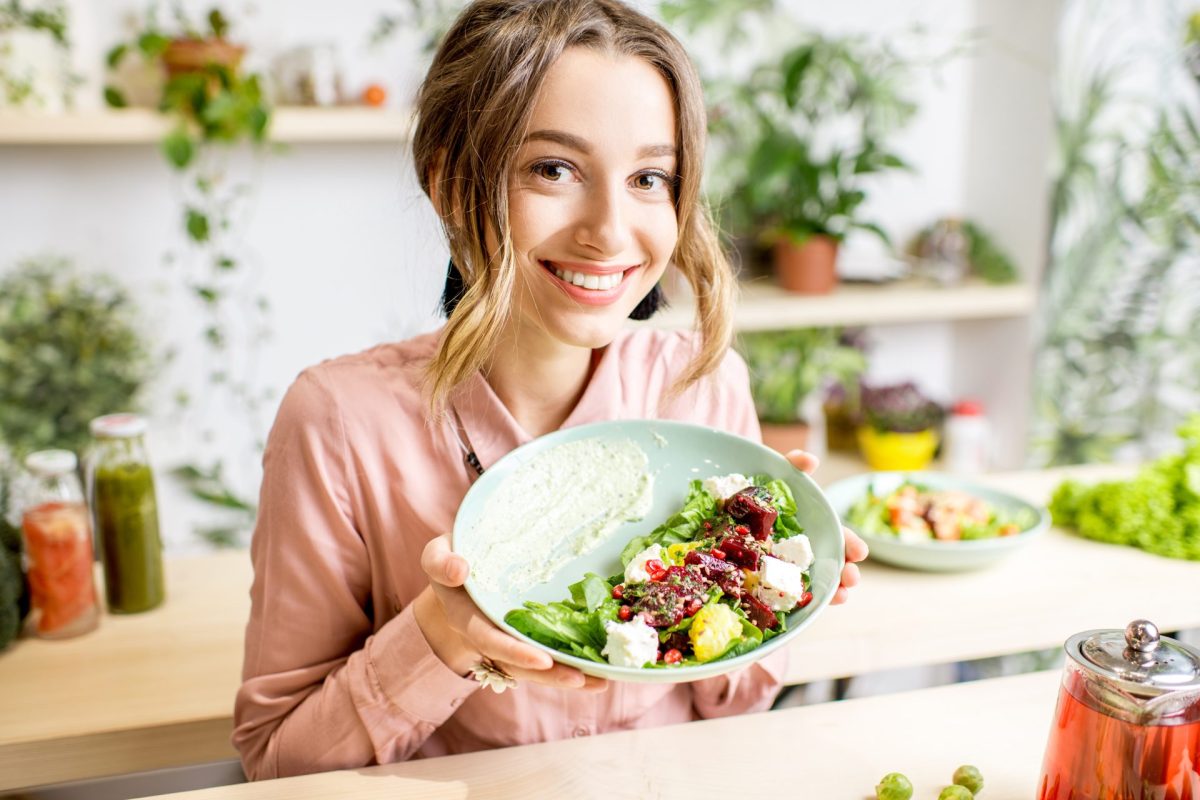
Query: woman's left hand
[856, 548]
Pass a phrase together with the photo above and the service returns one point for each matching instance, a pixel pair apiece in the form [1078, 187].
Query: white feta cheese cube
[725, 486]
[635, 570]
[780, 584]
[796, 549]
[630, 644]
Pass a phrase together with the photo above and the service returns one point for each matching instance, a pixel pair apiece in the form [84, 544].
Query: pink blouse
[356, 480]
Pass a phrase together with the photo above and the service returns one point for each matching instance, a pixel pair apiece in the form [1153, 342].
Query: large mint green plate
[935, 556]
[678, 453]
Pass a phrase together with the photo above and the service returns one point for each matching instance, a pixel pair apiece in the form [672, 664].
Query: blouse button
[580, 732]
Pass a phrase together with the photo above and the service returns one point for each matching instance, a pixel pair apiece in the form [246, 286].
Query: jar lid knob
[1141, 636]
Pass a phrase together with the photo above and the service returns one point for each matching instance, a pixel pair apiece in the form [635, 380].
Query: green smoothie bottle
[126, 513]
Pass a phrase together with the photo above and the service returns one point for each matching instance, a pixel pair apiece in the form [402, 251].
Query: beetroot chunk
[723, 573]
[752, 508]
[763, 617]
[739, 551]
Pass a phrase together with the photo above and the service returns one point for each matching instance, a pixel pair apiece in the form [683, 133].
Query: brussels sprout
[955, 792]
[970, 777]
[893, 786]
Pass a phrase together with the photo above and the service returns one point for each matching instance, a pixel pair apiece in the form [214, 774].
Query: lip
[590, 297]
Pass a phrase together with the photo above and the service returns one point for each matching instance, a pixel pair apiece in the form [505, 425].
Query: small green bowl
[678, 453]
[935, 556]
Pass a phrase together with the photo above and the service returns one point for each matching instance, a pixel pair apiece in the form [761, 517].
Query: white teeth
[586, 280]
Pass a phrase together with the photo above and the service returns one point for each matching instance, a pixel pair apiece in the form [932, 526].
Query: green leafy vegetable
[682, 527]
[1157, 510]
[786, 525]
[591, 592]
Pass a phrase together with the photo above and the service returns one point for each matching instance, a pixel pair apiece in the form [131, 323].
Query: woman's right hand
[460, 635]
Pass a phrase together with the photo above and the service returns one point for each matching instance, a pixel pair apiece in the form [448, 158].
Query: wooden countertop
[156, 689]
[141, 692]
[831, 751]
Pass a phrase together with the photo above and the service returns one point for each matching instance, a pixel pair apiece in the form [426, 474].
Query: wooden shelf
[145, 126]
[764, 306]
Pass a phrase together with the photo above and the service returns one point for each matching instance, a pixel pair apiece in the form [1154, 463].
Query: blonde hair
[473, 110]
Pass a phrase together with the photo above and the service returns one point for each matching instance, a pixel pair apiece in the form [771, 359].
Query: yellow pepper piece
[714, 627]
[677, 552]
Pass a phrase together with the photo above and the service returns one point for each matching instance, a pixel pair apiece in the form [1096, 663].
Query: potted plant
[818, 123]
[210, 97]
[786, 368]
[899, 427]
[70, 350]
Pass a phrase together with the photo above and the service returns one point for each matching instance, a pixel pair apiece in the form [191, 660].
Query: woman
[561, 142]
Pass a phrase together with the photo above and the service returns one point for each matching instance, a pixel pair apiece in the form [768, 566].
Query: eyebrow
[575, 143]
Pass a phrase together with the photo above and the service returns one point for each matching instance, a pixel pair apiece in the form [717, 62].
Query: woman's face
[591, 201]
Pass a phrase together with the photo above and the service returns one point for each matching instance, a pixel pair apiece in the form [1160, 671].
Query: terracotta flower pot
[809, 267]
[782, 438]
[184, 56]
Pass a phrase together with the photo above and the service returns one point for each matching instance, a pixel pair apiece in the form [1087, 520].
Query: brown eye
[652, 182]
[552, 171]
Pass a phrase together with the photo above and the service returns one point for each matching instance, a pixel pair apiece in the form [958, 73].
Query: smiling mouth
[587, 280]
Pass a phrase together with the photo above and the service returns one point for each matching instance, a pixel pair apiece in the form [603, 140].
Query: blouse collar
[492, 432]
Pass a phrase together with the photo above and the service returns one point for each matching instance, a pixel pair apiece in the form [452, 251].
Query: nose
[603, 226]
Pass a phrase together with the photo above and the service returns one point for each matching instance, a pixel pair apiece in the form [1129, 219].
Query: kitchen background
[1064, 132]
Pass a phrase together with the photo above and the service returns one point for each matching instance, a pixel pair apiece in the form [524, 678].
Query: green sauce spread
[127, 528]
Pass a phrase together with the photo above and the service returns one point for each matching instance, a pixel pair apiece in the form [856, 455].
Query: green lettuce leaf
[590, 592]
[682, 527]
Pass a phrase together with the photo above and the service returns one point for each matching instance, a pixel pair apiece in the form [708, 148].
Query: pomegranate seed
[655, 569]
[692, 607]
[805, 599]
[742, 529]
[718, 554]
[672, 656]
[624, 613]
[618, 592]
[708, 525]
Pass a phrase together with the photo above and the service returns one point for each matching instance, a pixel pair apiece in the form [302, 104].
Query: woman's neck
[539, 380]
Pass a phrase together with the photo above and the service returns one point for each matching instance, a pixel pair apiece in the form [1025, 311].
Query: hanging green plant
[214, 104]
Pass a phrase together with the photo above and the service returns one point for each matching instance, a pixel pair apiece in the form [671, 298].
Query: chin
[585, 330]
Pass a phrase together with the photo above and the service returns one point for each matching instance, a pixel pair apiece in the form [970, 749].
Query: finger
[443, 565]
[499, 646]
[559, 675]
[850, 576]
[803, 460]
[840, 596]
[856, 548]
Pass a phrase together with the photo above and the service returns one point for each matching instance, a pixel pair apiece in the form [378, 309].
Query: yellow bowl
[892, 451]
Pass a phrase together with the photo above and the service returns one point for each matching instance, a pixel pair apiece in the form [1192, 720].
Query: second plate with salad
[649, 551]
[934, 521]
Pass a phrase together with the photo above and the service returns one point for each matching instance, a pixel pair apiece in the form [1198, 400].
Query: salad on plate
[714, 581]
[913, 512]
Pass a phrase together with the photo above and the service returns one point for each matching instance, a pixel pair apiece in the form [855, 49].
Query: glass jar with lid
[1127, 723]
[126, 514]
[58, 548]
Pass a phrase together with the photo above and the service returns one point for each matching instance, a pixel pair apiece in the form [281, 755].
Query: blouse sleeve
[753, 688]
[320, 691]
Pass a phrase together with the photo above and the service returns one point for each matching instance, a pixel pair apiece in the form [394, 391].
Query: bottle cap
[968, 408]
[49, 463]
[118, 426]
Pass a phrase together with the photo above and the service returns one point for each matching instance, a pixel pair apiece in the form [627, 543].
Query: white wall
[343, 244]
